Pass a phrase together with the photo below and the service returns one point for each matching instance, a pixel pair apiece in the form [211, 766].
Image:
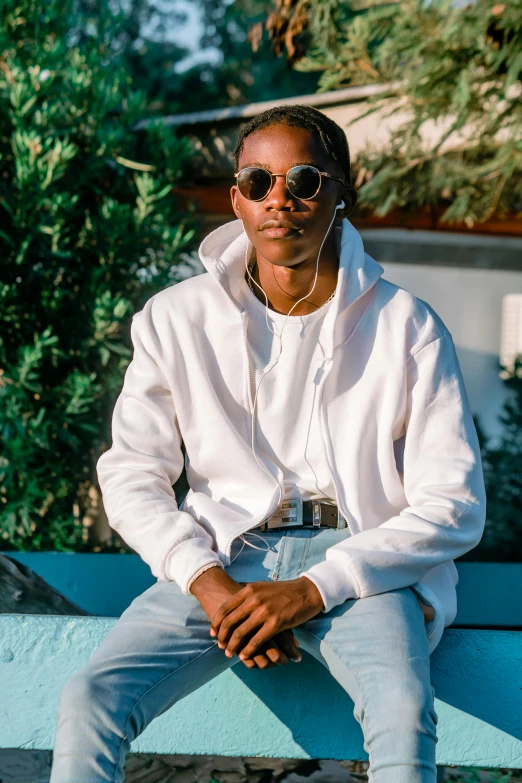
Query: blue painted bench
[285, 712]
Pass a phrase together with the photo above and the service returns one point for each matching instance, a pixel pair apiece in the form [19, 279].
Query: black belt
[304, 513]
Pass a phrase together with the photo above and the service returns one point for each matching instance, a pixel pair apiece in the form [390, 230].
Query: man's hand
[212, 589]
[260, 610]
[427, 611]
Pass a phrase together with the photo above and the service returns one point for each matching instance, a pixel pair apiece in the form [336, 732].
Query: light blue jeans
[160, 650]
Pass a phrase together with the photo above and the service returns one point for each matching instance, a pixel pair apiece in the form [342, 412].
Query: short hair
[332, 136]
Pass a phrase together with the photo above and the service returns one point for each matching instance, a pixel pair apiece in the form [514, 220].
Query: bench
[285, 712]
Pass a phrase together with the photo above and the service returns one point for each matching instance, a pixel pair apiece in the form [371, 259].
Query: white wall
[469, 301]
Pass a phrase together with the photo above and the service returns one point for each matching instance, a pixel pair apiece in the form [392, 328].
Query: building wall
[463, 279]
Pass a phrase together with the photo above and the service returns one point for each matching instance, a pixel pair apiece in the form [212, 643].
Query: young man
[323, 407]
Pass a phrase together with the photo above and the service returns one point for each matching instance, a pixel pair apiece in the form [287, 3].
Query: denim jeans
[160, 650]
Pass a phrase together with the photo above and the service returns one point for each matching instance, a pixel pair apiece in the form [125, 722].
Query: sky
[187, 34]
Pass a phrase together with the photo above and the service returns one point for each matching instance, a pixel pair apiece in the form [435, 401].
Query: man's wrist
[313, 592]
[206, 577]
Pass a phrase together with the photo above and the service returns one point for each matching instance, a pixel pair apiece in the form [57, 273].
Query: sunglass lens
[303, 181]
[254, 183]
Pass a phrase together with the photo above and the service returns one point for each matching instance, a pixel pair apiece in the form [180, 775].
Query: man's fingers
[260, 660]
[241, 635]
[288, 644]
[226, 607]
[427, 610]
[254, 644]
[263, 662]
[280, 648]
[276, 654]
[265, 654]
[230, 622]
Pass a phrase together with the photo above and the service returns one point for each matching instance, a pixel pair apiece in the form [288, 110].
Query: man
[340, 431]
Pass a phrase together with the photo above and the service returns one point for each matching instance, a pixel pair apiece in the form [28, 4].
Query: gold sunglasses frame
[273, 176]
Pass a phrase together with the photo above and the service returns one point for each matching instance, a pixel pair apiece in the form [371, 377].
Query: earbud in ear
[341, 205]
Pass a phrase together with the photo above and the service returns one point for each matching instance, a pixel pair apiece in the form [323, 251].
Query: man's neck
[284, 286]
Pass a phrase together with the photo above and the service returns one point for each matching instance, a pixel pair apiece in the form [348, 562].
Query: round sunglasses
[303, 182]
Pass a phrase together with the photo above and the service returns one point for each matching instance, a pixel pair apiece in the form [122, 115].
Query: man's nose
[280, 197]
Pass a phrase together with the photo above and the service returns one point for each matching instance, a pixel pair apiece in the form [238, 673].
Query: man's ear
[233, 197]
[350, 199]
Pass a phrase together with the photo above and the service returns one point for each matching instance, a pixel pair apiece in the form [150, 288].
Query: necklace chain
[251, 285]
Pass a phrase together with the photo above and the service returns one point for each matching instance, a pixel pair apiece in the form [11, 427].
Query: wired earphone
[268, 367]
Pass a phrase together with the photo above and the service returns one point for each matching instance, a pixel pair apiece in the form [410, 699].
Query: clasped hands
[255, 619]
[262, 611]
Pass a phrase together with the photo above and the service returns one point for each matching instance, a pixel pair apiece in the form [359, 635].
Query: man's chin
[291, 264]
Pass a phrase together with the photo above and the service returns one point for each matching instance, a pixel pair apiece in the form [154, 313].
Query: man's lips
[279, 229]
[280, 233]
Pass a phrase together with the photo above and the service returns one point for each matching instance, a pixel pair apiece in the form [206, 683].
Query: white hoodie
[398, 433]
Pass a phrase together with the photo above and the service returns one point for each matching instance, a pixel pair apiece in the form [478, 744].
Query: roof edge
[330, 98]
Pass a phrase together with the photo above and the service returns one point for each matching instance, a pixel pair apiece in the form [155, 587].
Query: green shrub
[89, 229]
[502, 463]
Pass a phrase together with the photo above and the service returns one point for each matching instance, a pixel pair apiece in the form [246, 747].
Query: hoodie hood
[223, 253]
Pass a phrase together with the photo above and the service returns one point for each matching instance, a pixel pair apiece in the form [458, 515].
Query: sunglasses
[303, 182]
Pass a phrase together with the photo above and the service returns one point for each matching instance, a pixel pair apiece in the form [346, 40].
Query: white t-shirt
[287, 426]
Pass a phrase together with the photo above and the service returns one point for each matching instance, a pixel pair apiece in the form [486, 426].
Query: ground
[33, 766]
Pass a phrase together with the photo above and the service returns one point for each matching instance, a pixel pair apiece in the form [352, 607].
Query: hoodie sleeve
[137, 473]
[443, 484]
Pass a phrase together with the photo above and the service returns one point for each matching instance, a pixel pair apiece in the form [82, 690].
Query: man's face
[278, 148]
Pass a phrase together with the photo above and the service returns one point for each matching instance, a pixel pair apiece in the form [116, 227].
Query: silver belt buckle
[288, 514]
[321, 511]
[316, 514]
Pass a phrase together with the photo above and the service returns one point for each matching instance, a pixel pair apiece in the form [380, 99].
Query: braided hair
[332, 136]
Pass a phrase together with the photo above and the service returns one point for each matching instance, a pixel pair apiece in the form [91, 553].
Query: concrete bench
[285, 712]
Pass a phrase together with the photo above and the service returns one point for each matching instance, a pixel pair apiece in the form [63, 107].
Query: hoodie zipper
[319, 414]
[247, 358]
[271, 508]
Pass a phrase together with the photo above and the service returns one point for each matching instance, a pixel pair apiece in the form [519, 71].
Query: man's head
[277, 140]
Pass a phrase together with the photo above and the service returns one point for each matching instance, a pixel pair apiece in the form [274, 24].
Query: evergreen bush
[89, 229]
[502, 461]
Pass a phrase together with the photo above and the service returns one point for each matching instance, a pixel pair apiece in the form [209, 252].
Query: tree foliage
[247, 68]
[88, 231]
[454, 67]
[234, 66]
